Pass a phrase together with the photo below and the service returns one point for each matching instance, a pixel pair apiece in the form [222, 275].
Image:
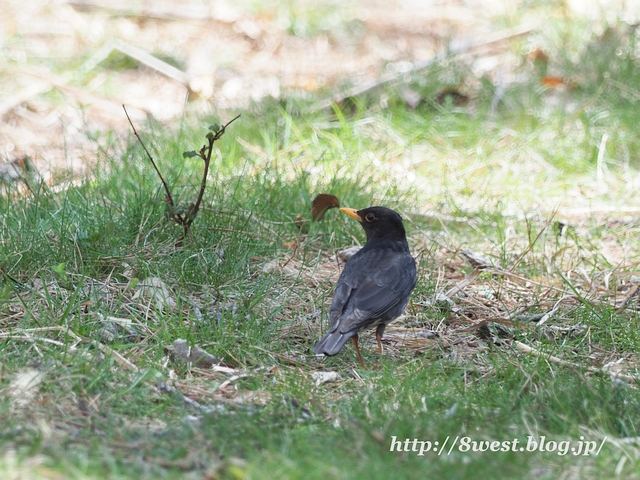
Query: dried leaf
[196, 355]
[557, 82]
[551, 81]
[321, 204]
[275, 266]
[538, 56]
[325, 377]
[476, 260]
[155, 289]
[23, 388]
[181, 349]
[201, 358]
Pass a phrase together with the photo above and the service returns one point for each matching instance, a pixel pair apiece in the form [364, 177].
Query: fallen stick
[81, 95]
[22, 96]
[161, 12]
[103, 348]
[625, 301]
[550, 358]
[462, 48]
[150, 61]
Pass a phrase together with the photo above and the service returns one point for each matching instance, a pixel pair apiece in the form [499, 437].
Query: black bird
[375, 285]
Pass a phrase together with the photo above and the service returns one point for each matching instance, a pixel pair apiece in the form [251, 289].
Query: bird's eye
[369, 217]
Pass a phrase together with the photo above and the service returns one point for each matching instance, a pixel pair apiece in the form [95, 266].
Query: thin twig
[462, 284]
[551, 312]
[531, 244]
[31, 339]
[205, 154]
[625, 302]
[164, 184]
[61, 328]
[550, 358]
[288, 360]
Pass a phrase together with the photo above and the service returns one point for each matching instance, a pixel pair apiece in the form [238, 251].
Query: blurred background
[67, 66]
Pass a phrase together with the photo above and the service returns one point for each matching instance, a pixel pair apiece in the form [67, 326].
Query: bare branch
[188, 215]
[164, 184]
[193, 210]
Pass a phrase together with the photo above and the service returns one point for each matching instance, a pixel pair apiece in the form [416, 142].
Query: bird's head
[378, 222]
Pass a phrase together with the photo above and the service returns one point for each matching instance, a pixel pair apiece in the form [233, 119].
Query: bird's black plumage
[376, 283]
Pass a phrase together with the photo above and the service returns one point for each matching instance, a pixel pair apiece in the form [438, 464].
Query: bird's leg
[379, 332]
[354, 340]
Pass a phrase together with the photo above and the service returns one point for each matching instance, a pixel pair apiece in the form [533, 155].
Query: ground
[505, 135]
[65, 79]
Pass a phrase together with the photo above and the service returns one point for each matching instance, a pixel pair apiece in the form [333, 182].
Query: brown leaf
[197, 356]
[538, 56]
[321, 204]
[557, 82]
[553, 82]
[452, 93]
[476, 260]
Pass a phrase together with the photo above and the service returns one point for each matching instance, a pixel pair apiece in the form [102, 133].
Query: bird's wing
[370, 287]
[346, 284]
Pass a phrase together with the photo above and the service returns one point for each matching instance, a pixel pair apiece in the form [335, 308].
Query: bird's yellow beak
[352, 212]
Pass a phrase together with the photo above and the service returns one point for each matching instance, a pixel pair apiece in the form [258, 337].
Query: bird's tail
[332, 342]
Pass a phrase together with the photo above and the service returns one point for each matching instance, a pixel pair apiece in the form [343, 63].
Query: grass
[251, 288]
